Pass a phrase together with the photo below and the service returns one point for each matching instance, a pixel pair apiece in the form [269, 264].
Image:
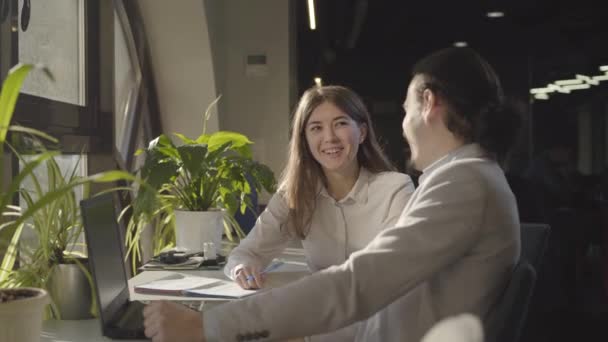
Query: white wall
[181, 62]
[257, 106]
[199, 49]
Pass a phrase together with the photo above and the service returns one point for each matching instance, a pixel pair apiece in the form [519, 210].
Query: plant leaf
[10, 93]
[32, 131]
[193, 157]
[239, 142]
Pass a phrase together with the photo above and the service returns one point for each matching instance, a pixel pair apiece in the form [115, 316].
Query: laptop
[120, 318]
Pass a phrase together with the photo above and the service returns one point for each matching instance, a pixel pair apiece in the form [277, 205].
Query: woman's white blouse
[337, 228]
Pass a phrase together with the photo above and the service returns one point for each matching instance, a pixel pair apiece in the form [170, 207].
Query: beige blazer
[337, 229]
[450, 252]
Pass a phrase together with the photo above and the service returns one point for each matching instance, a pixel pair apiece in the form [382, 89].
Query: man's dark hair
[477, 109]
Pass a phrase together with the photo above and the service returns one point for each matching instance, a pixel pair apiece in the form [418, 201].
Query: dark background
[371, 46]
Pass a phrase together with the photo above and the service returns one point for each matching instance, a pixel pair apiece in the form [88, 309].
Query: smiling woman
[305, 165]
[333, 138]
[336, 194]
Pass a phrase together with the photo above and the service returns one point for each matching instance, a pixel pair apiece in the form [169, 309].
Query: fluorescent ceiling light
[460, 44]
[495, 14]
[541, 96]
[600, 78]
[311, 15]
[541, 90]
[603, 67]
[318, 81]
[587, 79]
[568, 82]
[558, 89]
[576, 86]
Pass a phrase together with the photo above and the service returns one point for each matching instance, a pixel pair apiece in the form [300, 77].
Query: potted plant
[21, 314]
[54, 258]
[21, 307]
[202, 183]
[20, 310]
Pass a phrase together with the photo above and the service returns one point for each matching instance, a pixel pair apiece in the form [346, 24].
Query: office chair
[534, 240]
[507, 320]
[509, 315]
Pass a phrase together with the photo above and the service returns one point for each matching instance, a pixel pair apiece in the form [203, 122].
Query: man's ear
[430, 102]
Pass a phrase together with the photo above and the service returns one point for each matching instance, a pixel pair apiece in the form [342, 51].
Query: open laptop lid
[106, 255]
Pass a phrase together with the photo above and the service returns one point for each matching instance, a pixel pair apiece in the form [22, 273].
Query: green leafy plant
[40, 209]
[56, 227]
[212, 171]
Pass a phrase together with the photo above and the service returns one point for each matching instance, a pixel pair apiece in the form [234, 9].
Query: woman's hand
[249, 277]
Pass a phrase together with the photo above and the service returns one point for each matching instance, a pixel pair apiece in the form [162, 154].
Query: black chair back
[507, 318]
[534, 240]
[509, 315]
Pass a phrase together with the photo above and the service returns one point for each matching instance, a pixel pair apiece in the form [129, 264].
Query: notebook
[178, 284]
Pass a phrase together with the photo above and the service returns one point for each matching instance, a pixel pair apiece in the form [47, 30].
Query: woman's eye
[315, 128]
[342, 123]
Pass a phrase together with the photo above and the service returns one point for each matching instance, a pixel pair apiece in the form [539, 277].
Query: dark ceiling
[371, 45]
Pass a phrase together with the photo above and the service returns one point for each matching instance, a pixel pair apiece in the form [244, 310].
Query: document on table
[192, 286]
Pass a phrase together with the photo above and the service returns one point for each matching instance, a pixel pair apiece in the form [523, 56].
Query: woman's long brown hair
[301, 176]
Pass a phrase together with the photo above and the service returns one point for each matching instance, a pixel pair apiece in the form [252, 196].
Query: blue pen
[270, 267]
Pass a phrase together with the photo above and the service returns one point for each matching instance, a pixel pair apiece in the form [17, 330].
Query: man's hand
[168, 322]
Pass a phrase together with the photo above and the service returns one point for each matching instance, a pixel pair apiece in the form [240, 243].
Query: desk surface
[90, 330]
[293, 268]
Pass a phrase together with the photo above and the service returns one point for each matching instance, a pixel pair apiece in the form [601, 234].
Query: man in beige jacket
[451, 251]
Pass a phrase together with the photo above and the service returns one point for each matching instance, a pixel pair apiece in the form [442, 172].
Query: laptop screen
[105, 254]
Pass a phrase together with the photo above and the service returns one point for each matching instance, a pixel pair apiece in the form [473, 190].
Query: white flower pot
[21, 320]
[193, 228]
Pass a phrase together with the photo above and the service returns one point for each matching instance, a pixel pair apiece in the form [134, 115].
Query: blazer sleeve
[267, 239]
[439, 225]
[399, 198]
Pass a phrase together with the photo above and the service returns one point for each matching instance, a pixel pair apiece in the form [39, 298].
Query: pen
[270, 267]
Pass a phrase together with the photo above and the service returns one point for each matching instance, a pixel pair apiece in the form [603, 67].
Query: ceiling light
[558, 89]
[541, 96]
[495, 14]
[576, 86]
[600, 78]
[460, 44]
[541, 90]
[568, 82]
[566, 86]
[311, 15]
[587, 79]
[318, 81]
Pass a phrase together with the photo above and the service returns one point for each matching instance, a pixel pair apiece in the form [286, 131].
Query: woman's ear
[363, 132]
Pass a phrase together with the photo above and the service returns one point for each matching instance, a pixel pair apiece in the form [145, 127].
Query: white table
[90, 330]
[293, 268]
